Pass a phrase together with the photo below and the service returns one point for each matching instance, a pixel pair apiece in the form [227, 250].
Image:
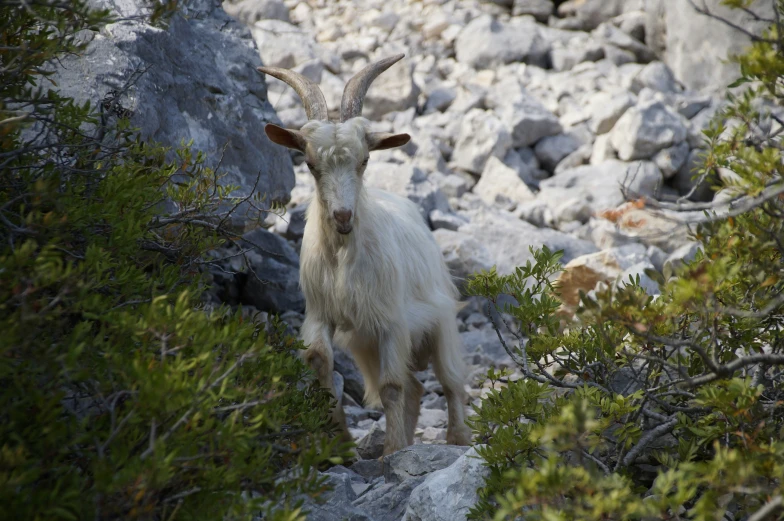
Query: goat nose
[342, 216]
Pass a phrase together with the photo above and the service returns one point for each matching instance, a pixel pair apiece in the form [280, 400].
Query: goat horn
[308, 91]
[357, 87]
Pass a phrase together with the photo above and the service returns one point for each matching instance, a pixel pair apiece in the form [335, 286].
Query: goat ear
[285, 137]
[383, 140]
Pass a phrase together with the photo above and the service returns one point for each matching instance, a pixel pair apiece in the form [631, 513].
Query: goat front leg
[394, 348]
[319, 357]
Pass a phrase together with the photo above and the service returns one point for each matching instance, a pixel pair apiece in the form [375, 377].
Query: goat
[372, 274]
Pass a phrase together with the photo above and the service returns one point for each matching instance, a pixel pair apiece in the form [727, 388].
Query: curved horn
[357, 87]
[310, 93]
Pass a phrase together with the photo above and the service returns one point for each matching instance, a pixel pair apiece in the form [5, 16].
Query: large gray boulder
[419, 460]
[645, 129]
[487, 42]
[696, 46]
[448, 494]
[194, 80]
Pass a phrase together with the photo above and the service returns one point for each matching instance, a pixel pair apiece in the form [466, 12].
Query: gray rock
[481, 136]
[176, 91]
[353, 382]
[656, 76]
[539, 9]
[500, 184]
[564, 58]
[372, 445]
[445, 220]
[600, 185]
[408, 181]
[507, 239]
[525, 164]
[282, 44]
[638, 270]
[579, 157]
[552, 149]
[463, 253]
[295, 227]
[606, 109]
[392, 91]
[526, 119]
[440, 98]
[670, 160]
[448, 494]
[487, 42]
[696, 46]
[251, 11]
[386, 502]
[453, 185]
[645, 129]
[419, 460]
[614, 37]
[368, 468]
[679, 257]
[588, 14]
[274, 284]
[685, 179]
[689, 105]
[336, 503]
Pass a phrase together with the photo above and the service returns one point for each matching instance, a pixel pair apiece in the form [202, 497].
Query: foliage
[666, 407]
[121, 395]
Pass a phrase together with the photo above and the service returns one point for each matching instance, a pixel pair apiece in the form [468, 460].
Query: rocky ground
[531, 125]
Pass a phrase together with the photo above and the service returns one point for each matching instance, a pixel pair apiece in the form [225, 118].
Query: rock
[670, 160]
[525, 165]
[583, 273]
[507, 239]
[565, 57]
[656, 76]
[251, 11]
[274, 284]
[277, 51]
[372, 445]
[386, 502]
[690, 104]
[614, 37]
[481, 136]
[602, 150]
[579, 157]
[447, 221]
[686, 177]
[448, 494]
[539, 9]
[606, 109]
[209, 93]
[336, 503]
[679, 257]
[408, 181]
[353, 382]
[696, 46]
[453, 185]
[368, 468]
[648, 285]
[525, 118]
[632, 23]
[419, 460]
[645, 129]
[294, 223]
[432, 417]
[487, 42]
[500, 184]
[588, 14]
[600, 185]
[440, 98]
[392, 91]
[464, 254]
[551, 150]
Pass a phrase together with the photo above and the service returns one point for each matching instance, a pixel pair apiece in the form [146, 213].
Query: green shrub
[121, 395]
[699, 432]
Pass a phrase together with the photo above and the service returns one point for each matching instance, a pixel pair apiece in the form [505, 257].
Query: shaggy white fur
[382, 289]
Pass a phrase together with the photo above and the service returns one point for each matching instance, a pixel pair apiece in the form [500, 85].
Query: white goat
[373, 276]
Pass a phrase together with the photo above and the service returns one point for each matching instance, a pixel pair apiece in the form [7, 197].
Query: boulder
[295, 48]
[525, 118]
[408, 181]
[507, 239]
[175, 90]
[392, 91]
[670, 160]
[273, 285]
[488, 42]
[645, 129]
[500, 184]
[552, 149]
[539, 9]
[614, 37]
[584, 272]
[448, 494]
[463, 253]
[655, 76]
[419, 460]
[481, 136]
[372, 445]
[601, 185]
[606, 108]
[251, 11]
[588, 14]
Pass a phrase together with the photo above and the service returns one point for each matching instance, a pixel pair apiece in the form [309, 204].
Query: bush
[656, 408]
[121, 395]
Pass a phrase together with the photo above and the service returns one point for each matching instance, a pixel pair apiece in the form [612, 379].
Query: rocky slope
[530, 126]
